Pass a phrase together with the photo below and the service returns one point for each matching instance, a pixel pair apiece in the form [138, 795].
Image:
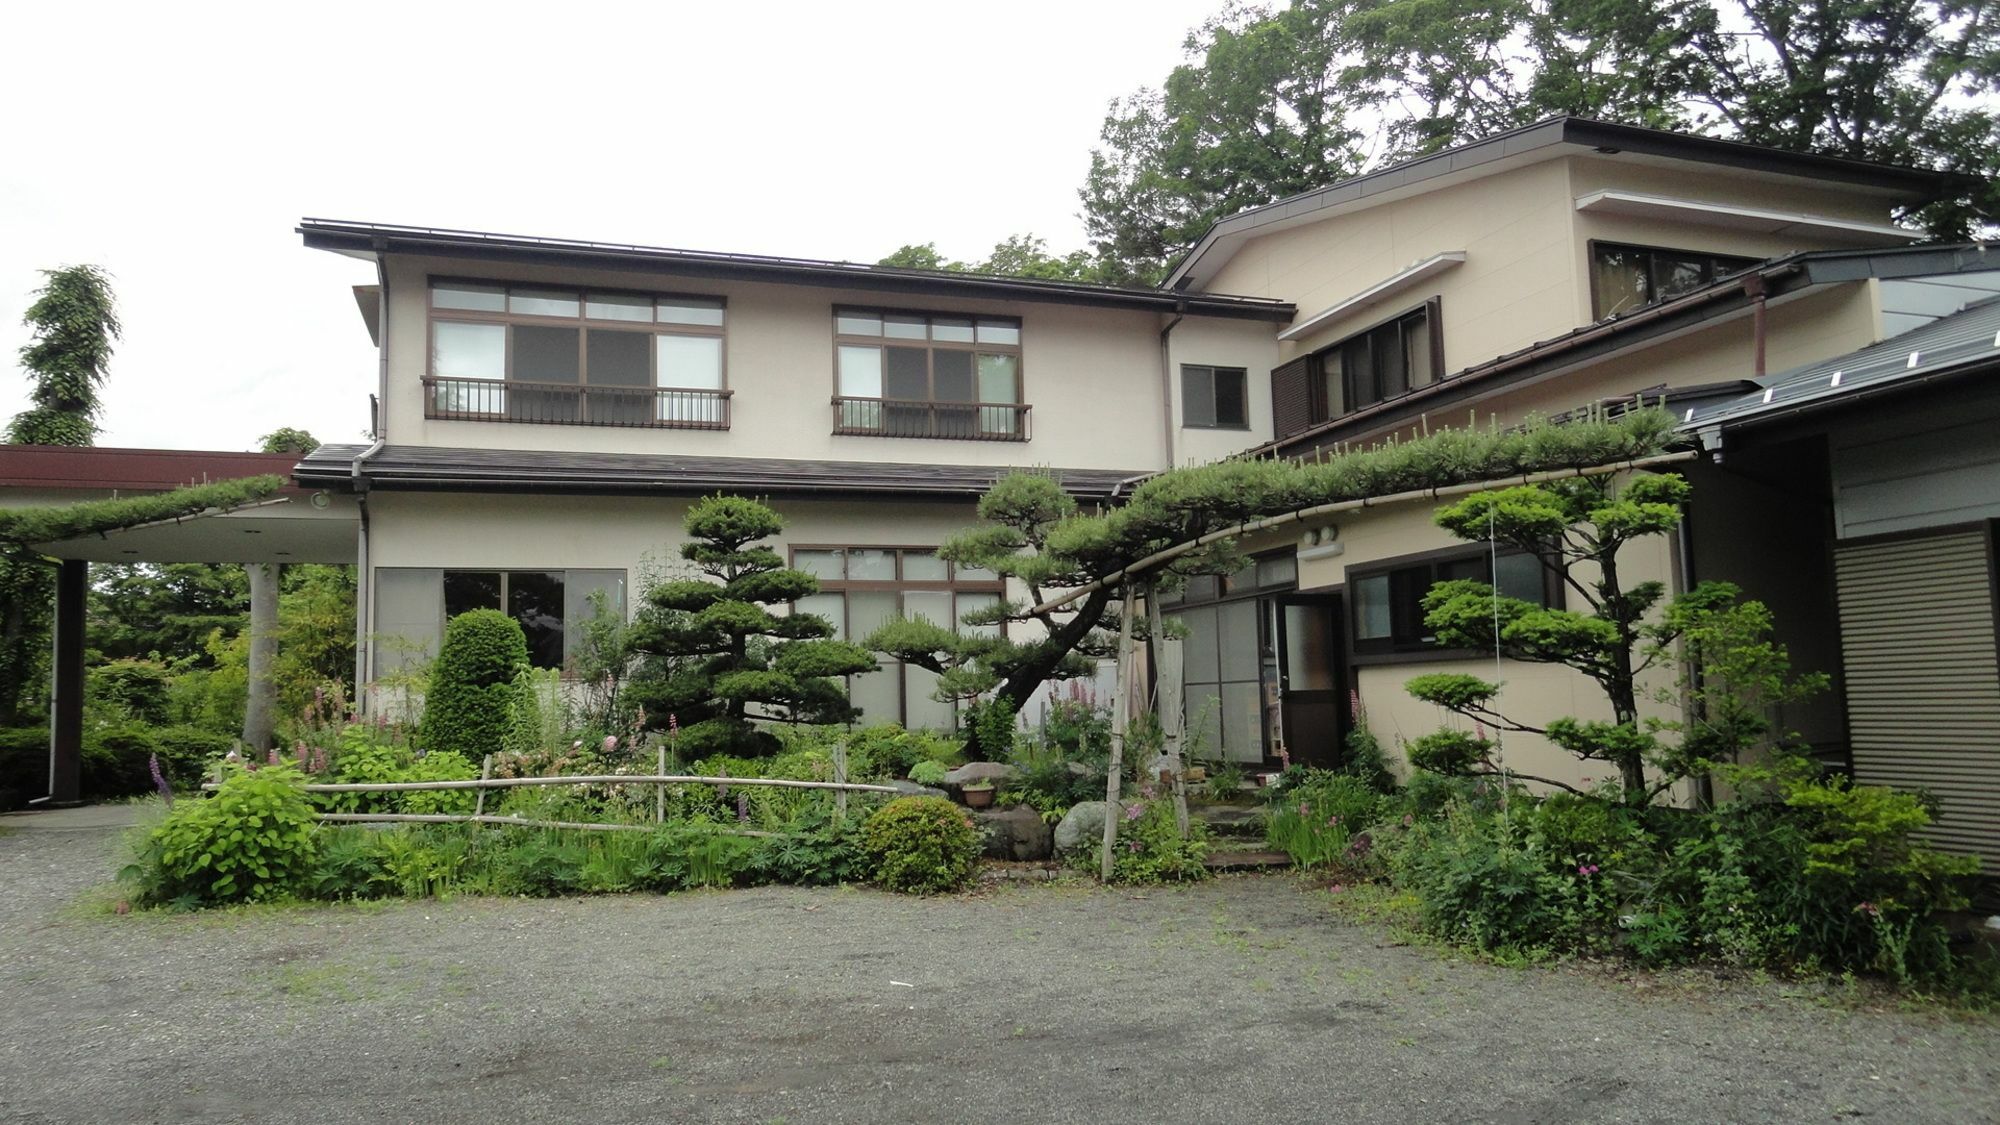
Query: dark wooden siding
[1291, 397]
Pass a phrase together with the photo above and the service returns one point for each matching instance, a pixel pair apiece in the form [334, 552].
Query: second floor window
[578, 357]
[1393, 358]
[1623, 278]
[1215, 398]
[904, 374]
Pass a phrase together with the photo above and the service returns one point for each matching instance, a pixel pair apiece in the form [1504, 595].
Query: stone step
[1245, 860]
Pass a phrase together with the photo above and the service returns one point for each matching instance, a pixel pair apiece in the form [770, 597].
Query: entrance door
[1311, 718]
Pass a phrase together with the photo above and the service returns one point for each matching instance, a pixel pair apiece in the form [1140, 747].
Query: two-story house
[548, 407]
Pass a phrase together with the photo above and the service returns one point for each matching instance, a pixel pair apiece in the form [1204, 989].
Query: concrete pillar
[66, 733]
[257, 716]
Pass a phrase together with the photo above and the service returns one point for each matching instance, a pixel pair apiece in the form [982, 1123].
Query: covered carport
[293, 525]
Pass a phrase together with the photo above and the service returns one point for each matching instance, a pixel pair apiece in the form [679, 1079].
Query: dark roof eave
[374, 239]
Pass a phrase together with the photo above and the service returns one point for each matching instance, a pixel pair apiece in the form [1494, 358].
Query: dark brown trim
[371, 240]
[1591, 245]
[101, 468]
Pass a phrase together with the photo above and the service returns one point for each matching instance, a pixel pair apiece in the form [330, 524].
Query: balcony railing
[920, 418]
[574, 404]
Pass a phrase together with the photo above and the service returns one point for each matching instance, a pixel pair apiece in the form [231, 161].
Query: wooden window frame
[1391, 650]
[1715, 261]
[1321, 410]
[931, 347]
[583, 323]
[1214, 398]
[952, 584]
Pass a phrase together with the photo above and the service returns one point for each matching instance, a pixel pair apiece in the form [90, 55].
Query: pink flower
[610, 743]
[1305, 809]
[1586, 869]
[1337, 888]
[1134, 812]
[1870, 909]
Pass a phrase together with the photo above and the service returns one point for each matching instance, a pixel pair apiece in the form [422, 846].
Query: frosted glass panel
[543, 302]
[1371, 607]
[934, 606]
[1238, 643]
[968, 603]
[858, 324]
[871, 564]
[482, 298]
[694, 362]
[690, 310]
[832, 607]
[615, 306]
[919, 567]
[819, 564]
[921, 710]
[868, 612]
[1199, 649]
[409, 616]
[1242, 723]
[878, 694]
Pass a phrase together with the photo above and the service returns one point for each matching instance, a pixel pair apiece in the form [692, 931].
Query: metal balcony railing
[574, 404]
[920, 418]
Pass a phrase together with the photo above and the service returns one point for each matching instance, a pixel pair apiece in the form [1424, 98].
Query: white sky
[178, 145]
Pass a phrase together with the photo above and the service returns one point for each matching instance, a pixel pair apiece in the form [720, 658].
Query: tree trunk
[257, 713]
[1020, 687]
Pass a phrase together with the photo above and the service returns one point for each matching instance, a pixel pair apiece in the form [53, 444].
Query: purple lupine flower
[743, 808]
[1134, 812]
[610, 743]
[160, 779]
[271, 758]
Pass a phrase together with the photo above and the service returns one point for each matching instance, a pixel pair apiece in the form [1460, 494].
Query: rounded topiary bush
[472, 684]
[921, 845]
[252, 840]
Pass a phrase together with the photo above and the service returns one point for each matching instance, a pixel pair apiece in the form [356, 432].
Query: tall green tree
[1275, 101]
[1019, 255]
[74, 322]
[164, 611]
[723, 659]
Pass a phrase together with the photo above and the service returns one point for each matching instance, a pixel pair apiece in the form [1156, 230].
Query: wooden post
[1120, 721]
[66, 678]
[660, 791]
[1167, 702]
[485, 774]
[839, 777]
[262, 701]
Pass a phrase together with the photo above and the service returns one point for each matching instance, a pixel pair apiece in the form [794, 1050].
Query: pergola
[294, 526]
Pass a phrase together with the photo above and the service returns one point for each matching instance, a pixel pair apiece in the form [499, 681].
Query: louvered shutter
[1291, 397]
[1923, 680]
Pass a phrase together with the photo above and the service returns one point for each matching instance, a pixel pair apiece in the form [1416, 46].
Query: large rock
[970, 772]
[912, 789]
[1016, 833]
[1082, 826]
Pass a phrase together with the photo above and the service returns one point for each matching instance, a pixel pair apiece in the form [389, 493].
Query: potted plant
[978, 794]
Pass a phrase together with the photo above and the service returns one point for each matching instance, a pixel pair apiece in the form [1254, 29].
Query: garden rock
[1081, 826]
[980, 771]
[1017, 833]
[909, 788]
[1167, 765]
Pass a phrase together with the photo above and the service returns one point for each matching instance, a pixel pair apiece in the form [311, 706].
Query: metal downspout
[1755, 287]
[364, 572]
[1167, 383]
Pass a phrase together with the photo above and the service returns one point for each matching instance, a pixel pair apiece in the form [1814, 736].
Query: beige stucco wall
[1091, 375]
[1514, 287]
[1531, 693]
[1250, 345]
[1526, 276]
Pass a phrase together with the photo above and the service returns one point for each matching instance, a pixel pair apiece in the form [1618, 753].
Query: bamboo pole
[1170, 725]
[1120, 721]
[511, 821]
[590, 779]
[485, 774]
[1161, 557]
[839, 777]
[660, 794]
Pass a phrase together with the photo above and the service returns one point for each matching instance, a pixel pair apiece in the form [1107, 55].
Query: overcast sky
[178, 145]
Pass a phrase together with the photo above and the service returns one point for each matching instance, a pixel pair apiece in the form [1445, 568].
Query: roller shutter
[1923, 677]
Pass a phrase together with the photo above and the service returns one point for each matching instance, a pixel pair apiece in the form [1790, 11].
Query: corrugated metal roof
[1970, 336]
[433, 468]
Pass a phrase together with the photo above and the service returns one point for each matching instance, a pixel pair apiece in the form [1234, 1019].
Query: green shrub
[24, 765]
[367, 755]
[133, 689]
[1321, 817]
[921, 845]
[253, 839]
[1149, 847]
[887, 751]
[1364, 759]
[472, 686]
[188, 754]
[439, 765]
[928, 773]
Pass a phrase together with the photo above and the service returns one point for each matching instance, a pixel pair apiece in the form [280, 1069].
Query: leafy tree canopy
[1278, 100]
[1020, 255]
[74, 320]
[723, 659]
[285, 439]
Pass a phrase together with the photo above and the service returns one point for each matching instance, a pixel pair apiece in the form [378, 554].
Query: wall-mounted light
[1321, 543]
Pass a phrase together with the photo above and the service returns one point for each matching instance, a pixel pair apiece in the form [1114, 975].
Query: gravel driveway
[1239, 1000]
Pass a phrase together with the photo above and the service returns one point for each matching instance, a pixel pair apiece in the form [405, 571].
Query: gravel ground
[1239, 1000]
